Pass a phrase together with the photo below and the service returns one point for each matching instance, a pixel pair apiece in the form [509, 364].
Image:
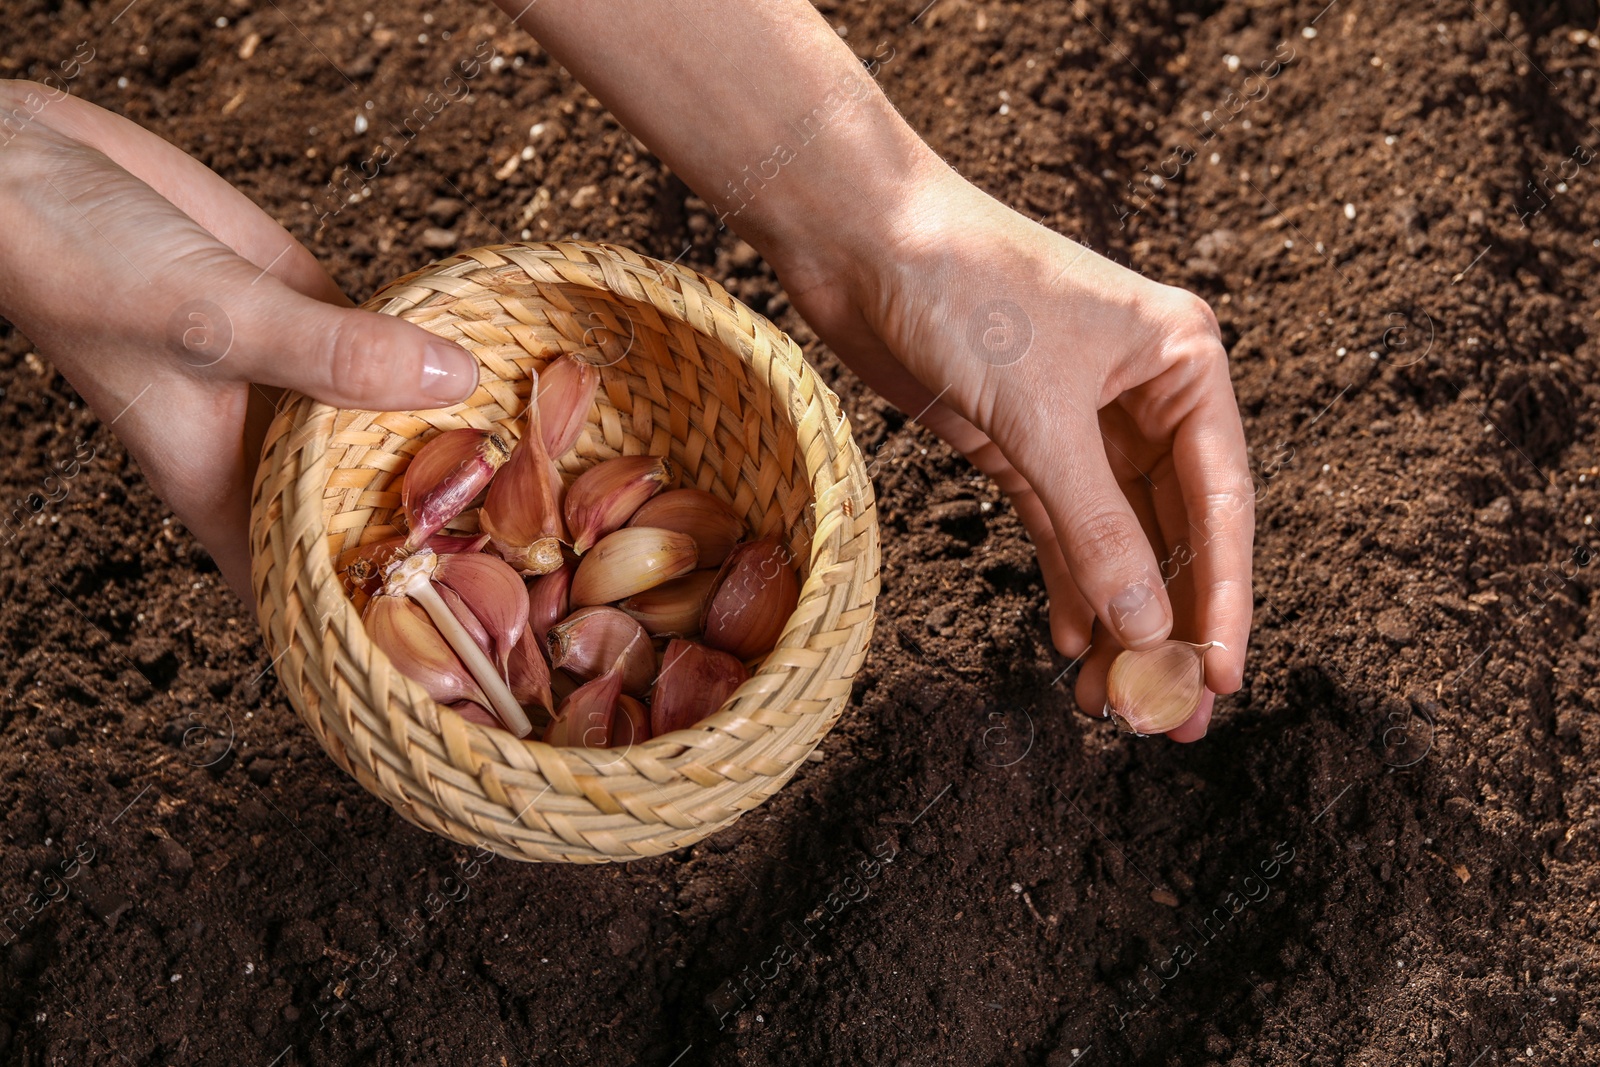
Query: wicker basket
[692, 374]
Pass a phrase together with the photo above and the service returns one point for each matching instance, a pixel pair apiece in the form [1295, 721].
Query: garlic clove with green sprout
[1153, 690]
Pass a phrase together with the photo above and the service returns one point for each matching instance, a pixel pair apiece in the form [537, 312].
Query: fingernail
[1137, 617]
[449, 373]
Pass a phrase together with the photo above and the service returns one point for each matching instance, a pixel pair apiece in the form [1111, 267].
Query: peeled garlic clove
[714, 525]
[493, 592]
[606, 495]
[529, 674]
[630, 561]
[522, 513]
[408, 637]
[1153, 690]
[673, 609]
[587, 716]
[444, 477]
[565, 392]
[550, 599]
[632, 724]
[755, 594]
[694, 682]
[591, 641]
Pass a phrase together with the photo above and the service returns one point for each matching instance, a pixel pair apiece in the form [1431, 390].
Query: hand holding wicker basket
[691, 374]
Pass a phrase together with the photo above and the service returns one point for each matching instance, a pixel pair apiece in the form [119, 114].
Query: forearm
[761, 108]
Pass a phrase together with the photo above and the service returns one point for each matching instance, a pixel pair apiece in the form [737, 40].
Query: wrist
[837, 198]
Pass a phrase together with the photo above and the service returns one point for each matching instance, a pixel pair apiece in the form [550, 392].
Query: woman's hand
[162, 294]
[1097, 400]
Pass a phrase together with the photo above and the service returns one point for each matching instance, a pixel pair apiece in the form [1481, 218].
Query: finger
[1090, 690]
[341, 356]
[1214, 474]
[218, 316]
[198, 192]
[1197, 725]
[1104, 543]
[1071, 618]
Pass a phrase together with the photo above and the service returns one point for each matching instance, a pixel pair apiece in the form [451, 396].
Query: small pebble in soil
[438, 240]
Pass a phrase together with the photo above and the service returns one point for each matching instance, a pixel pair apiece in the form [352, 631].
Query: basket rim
[841, 580]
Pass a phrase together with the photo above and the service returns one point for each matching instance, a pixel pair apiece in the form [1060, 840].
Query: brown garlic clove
[550, 600]
[714, 525]
[1153, 690]
[755, 594]
[522, 513]
[444, 477]
[593, 640]
[404, 632]
[605, 496]
[694, 682]
[675, 608]
[630, 561]
[587, 716]
[565, 393]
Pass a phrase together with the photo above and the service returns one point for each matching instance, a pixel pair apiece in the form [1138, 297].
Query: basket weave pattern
[691, 374]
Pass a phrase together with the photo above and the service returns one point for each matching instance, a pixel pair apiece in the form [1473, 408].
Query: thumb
[272, 334]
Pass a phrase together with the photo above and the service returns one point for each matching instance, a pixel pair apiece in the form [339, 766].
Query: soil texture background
[1386, 852]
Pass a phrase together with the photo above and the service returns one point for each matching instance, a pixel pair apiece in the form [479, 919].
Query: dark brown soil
[1384, 853]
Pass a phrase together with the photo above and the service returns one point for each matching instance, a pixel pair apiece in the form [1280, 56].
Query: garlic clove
[592, 640]
[1153, 690]
[528, 674]
[694, 682]
[522, 513]
[565, 391]
[630, 561]
[363, 571]
[403, 631]
[632, 724]
[472, 711]
[413, 577]
[714, 525]
[444, 477]
[587, 716]
[493, 592]
[755, 594]
[468, 620]
[673, 609]
[549, 599]
[604, 497]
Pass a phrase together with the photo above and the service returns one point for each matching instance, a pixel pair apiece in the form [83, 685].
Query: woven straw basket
[692, 374]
